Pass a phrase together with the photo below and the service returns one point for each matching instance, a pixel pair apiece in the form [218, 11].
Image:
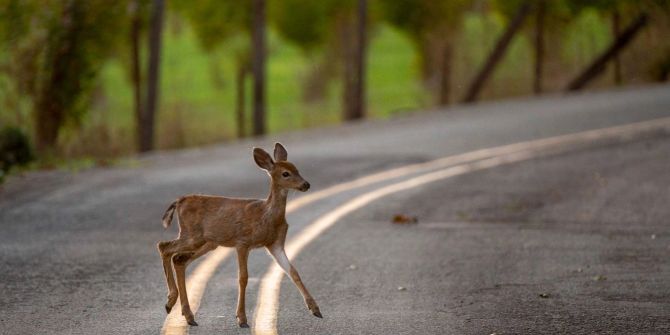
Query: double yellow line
[267, 304]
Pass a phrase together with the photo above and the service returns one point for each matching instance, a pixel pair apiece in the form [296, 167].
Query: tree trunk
[240, 102]
[153, 83]
[61, 84]
[445, 77]
[355, 65]
[497, 53]
[349, 74]
[358, 109]
[136, 71]
[539, 46]
[616, 30]
[349, 70]
[258, 66]
[598, 65]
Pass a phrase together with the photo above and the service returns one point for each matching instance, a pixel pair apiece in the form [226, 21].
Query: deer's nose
[305, 186]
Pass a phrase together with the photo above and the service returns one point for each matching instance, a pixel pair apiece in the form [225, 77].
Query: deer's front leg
[278, 253]
[243, 276]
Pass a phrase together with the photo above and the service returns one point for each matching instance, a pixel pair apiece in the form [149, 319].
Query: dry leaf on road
[404, 219]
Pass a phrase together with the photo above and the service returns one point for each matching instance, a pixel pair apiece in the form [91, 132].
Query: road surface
[567, 241]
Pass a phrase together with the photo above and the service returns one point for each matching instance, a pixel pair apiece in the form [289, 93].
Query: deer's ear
[263, 159]
[280, 152]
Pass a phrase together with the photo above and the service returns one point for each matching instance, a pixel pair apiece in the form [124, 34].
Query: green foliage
[606, 6]
[88, 37]
[198, 97]
[54, 52]
[196, 111]
[15, 149]
[301, 22]
[14, 19]
[215, 20]
[307, 23]
[601, 5]
[432, 26]
[417, 17]
[586, 37]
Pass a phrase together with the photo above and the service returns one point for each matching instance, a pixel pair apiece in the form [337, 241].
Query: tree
[215, 22]
[549, 15]
[616, 30]
[497, 53]
[136, 23]
[241, 74]
[258, 66]
[354, 64]
[620, 39]
[432, 25]
[540, 13]
[359, 105]
[341, 27]
[56, 51]
[309, 25]
[598, 65]
[147, 119]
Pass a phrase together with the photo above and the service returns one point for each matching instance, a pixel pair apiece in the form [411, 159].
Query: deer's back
[226, 221]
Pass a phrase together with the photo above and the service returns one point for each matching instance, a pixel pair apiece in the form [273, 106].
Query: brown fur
[207, 221]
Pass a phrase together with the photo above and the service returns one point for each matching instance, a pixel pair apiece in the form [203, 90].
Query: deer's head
[283, 173]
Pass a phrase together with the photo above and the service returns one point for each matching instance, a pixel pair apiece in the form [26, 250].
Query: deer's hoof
[242, 321]
[191, 322]
[318, 314]
[172, 299]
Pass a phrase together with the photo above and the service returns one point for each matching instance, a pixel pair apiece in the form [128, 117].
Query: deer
[208, 221]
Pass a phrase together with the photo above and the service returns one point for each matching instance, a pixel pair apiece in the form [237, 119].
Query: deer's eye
[285, 174]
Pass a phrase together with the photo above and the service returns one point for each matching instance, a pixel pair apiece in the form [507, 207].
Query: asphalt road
[575, 242]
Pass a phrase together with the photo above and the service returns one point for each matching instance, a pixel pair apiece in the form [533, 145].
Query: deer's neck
[276, 201]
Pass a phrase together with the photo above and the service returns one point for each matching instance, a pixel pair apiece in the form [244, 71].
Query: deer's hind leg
[180, 260]
[166, 250]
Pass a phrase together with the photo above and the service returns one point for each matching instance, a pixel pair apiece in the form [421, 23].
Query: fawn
[206, 222]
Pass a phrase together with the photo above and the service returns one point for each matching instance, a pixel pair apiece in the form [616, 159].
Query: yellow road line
[266, 307]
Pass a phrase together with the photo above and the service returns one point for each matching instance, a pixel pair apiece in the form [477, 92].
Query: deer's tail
[167, 217]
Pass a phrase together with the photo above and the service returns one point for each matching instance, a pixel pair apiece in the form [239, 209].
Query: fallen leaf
[544, 295]
[404, 219]
[599, 278]
[401, 288]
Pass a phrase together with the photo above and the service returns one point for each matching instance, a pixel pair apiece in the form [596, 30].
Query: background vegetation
[66, 67]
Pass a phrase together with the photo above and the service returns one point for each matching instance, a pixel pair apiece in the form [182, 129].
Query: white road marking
[267, 304]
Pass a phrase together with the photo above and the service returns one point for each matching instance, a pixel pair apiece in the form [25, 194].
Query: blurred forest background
[94, 80]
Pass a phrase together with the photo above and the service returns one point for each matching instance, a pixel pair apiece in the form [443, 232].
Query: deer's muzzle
[304, 187]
